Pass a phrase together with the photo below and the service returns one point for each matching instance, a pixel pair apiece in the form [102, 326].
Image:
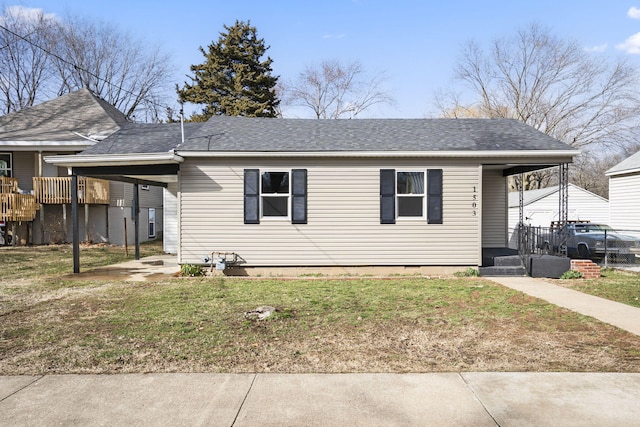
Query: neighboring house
[624, 198]
[366, 192]
[541, 206]
[35, 196]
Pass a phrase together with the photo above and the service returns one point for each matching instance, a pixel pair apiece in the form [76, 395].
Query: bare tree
[123, 71]
[42, 56]
[25, 69]
[553, 85]
[333, 90]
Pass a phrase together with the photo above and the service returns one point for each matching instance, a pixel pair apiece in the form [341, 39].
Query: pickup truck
[588, 240]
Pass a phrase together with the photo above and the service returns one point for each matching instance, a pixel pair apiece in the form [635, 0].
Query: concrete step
[502, 271]
[511, 261]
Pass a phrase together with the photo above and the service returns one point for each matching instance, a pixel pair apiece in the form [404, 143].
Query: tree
[552, 85]
[333, 90]
[233, 80]
[42, 56]
[121, 70]
[24, 67]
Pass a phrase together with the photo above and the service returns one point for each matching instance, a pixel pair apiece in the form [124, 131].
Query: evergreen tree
[233, 81]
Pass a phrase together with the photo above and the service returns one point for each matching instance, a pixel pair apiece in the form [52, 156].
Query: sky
[415, 43]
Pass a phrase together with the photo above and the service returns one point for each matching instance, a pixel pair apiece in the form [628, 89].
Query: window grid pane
[410, 196]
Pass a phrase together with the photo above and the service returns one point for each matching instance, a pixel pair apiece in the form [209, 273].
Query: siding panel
[343, 218]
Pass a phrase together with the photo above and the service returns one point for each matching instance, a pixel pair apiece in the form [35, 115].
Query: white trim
[423, 195]
[114, 159]
[275, 195]
[623, 172]
[388, 154]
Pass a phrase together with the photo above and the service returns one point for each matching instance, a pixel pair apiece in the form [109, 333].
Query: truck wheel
[583, 252]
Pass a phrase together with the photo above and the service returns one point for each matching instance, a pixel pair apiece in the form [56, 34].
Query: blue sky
[414, 42]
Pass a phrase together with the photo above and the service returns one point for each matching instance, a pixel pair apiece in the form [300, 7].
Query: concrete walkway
[614, 313]
[446, 399]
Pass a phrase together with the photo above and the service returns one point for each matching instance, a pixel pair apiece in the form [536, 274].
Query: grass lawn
[615, 285]
[55, 324]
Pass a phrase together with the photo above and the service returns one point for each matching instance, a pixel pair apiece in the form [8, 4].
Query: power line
[76, 67]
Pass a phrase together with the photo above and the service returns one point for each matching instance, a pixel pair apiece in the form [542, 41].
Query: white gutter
[114, 159]
[387, 154]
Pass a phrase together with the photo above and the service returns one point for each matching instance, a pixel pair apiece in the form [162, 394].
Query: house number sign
[474, 201]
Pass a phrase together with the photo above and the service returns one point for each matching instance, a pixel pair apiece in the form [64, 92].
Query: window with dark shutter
[434, 195]
[387, 196]
[299, 196]
[251, 196]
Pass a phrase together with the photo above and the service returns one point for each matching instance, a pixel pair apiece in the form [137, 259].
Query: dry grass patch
[348, 325]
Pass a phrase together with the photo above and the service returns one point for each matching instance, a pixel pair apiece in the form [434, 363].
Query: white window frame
[144, 187]
[151, 223]
[10, 166]
[274, 195]
[415, 195]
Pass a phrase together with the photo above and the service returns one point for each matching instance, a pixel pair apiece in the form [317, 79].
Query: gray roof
[62, 119]
[628, 165]
[242, 134]
[143, 138]
[530, 196]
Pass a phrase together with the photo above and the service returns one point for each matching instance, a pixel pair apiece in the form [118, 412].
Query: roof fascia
[374, 154]
[114, 159]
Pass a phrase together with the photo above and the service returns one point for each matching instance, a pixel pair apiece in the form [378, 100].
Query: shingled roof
[75, 117]
[628, 165]
[143, 138]
[242, 134]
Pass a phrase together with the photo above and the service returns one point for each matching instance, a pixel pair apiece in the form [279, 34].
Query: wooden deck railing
[18, 207]
[57, 190]
[8, 185]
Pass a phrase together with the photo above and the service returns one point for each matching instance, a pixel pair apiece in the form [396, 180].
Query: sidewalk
[443, 399]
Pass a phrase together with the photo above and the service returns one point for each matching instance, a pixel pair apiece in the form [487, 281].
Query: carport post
[74, 220]
[136, 218]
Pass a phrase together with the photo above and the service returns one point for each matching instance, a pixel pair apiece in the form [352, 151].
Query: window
[152, 222]
[144, 187]
[410, 194]
[275, 194]
[5, 165]
[403, 195]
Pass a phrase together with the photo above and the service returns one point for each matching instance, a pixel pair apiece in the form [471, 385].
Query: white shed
[541, 206]
[624, 198]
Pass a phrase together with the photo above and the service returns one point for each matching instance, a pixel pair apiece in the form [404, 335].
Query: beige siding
[494, 209]
[24, 169]
[116, 193]
[624, 201]
[170, 212]
[343, 217]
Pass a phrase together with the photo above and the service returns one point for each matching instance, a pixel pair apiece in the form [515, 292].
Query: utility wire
[76, 67]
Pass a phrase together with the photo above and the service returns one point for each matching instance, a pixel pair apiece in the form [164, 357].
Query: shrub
[191, 270]
[571, 274]
[469, 272]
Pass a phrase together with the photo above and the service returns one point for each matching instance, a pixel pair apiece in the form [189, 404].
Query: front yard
[52, 323]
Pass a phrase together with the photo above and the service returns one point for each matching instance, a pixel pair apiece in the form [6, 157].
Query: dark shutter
[299, 196]
[251, 196]
[434, 196]
[387, 196]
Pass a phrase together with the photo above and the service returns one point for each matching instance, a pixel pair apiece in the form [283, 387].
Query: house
[541, 206]
[315, 193]
[35, 196]
[624, 200]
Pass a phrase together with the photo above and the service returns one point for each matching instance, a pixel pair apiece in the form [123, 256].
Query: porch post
[136, 218]
[74, 220]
